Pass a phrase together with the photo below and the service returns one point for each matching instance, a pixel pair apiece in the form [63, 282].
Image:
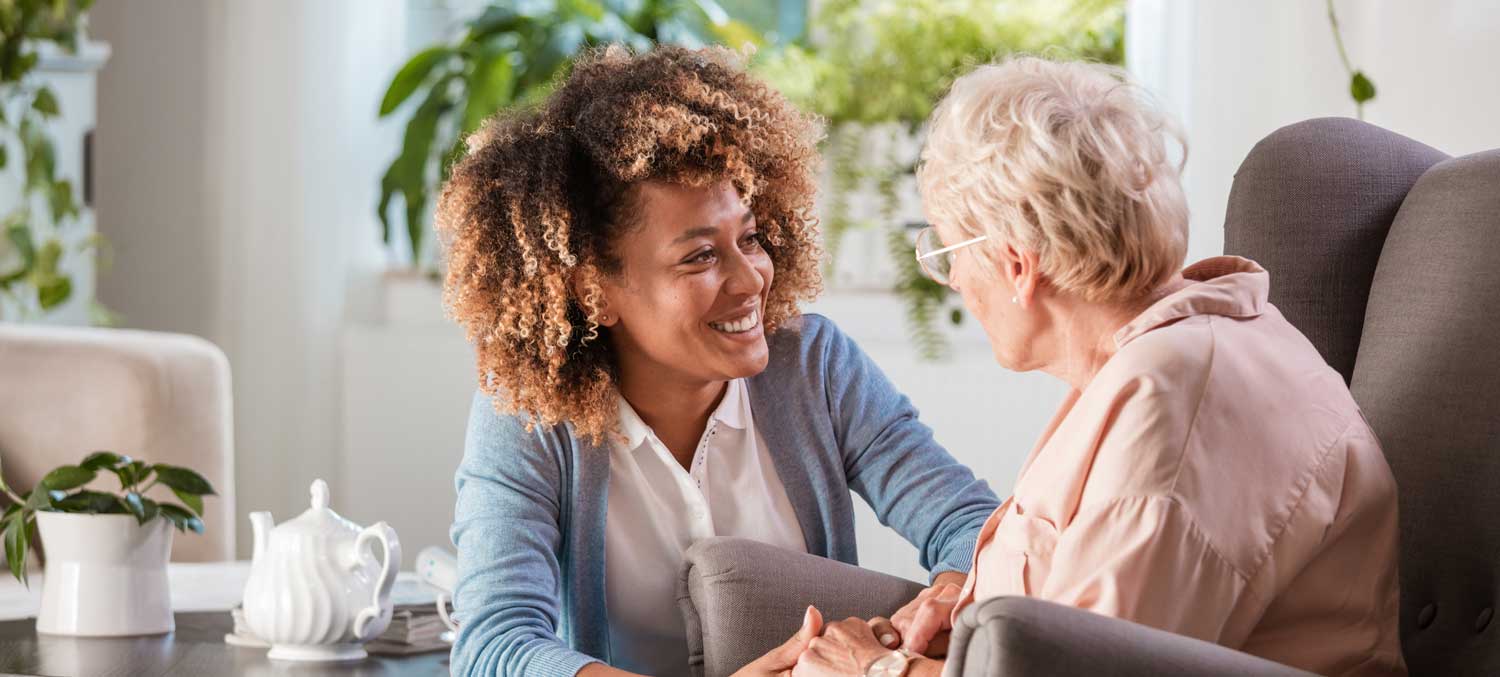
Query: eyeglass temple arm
[950, 248]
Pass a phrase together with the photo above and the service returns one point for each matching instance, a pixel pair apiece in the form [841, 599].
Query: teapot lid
[319, 520]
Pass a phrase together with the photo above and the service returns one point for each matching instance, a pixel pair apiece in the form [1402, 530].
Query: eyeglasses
[935, 259]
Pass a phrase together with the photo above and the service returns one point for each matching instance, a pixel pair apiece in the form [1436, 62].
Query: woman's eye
[750, 242]
[705, 256]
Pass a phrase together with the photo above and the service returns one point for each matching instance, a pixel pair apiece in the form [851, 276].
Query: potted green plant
[106, 551]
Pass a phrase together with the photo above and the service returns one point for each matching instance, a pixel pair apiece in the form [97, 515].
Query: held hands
[847, 647]
[779, 661]
[924, 624]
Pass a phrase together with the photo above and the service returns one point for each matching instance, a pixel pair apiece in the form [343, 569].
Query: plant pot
[106, 576]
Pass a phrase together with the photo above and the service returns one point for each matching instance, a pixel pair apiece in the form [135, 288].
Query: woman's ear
[586, 283]
[1023, 271]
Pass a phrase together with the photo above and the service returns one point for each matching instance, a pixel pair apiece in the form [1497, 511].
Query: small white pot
[106, 575]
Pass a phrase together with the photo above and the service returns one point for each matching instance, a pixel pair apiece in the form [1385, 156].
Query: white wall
[239, 158]
[1236, 71]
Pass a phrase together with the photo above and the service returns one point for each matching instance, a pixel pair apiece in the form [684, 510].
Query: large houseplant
[508, 55]
[33, 276]
[909, 52]
[109, 548]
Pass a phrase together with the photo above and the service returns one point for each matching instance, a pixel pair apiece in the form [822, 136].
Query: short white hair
[1064, 159]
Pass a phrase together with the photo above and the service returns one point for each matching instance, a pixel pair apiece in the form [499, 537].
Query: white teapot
[316, 593]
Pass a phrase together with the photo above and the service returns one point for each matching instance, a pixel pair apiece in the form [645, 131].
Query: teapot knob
[319, 495]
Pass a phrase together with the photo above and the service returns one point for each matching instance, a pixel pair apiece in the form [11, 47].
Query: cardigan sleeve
[506, 528]
[892, 461]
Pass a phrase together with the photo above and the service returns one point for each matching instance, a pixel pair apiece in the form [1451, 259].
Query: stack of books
[414, 628]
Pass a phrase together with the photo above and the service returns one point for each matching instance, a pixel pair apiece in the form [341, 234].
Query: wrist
[922, 666]
[957, 578]
[890, 664]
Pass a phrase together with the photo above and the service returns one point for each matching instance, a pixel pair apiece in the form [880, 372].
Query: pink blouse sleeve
[1144, 560]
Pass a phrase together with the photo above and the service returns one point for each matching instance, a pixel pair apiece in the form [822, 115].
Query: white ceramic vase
[106, 575]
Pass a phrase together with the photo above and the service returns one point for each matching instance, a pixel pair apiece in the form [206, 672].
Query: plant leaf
[491, 85]
[588, 8]
[192, 501]
[149, 510]
[45, 103]
[68, 477]
[130, 473]
[53, 291]
[103, 459]
[183, 479]
[181, 518]
[411, 76]
[89, 502]
[20, 237]
[132, 502]
[388, 187]
[1361, 88]
[15, 547]
[60, 199]
[410, 168]
[38, 499]
[3, 156]
[494, 19]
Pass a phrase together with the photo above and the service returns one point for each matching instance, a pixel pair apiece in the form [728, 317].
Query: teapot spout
[262, 523]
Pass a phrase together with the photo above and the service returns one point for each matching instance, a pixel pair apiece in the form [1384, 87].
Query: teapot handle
[380, 605]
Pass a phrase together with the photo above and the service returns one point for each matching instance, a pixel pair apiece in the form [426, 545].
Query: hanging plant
[876, 66]
[510, 55]
[32, 276]
[1361, 88]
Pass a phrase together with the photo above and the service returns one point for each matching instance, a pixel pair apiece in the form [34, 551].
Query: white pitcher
[316, 593]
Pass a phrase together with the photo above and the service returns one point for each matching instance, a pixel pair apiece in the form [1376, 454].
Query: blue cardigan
[529, 522]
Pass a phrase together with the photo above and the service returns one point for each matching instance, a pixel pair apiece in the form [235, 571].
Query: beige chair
[164, 398]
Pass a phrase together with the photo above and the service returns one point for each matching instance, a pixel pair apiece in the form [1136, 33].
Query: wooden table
[202, 594]
[196, 649]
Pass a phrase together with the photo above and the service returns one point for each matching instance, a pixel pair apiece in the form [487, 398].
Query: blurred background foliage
[873, 69]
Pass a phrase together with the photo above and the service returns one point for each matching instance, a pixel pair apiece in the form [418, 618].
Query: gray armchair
[1386, 254]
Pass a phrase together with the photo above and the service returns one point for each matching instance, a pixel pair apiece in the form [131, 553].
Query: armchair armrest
[740, 599]
[1015, 636]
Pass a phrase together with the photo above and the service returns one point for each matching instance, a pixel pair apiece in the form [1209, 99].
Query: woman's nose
[741, 276]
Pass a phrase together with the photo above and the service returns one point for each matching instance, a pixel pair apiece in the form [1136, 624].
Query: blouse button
[1484, 619]
[1426, 616]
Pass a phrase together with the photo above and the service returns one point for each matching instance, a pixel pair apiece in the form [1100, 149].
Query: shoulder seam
[1213, 348]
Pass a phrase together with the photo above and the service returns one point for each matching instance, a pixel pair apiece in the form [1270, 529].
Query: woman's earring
[1013, 300]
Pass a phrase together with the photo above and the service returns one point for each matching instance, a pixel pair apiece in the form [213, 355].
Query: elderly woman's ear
[1022, 270]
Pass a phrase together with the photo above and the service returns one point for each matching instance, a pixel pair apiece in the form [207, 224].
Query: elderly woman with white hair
[1208, 473]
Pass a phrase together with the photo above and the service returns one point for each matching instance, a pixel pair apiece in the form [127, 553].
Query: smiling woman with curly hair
[627, 259]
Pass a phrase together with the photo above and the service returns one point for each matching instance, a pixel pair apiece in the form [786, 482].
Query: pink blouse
[1215, 480]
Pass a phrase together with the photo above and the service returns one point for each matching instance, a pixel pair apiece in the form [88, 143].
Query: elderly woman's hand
[847, 647]
[923, 625]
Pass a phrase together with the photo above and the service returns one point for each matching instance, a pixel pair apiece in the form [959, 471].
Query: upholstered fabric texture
[1428, 379]
[1027, 636]
[742, 598]
[163, 398]
[1312, 203]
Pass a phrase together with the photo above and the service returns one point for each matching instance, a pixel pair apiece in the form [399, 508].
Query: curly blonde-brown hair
[528, 216]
